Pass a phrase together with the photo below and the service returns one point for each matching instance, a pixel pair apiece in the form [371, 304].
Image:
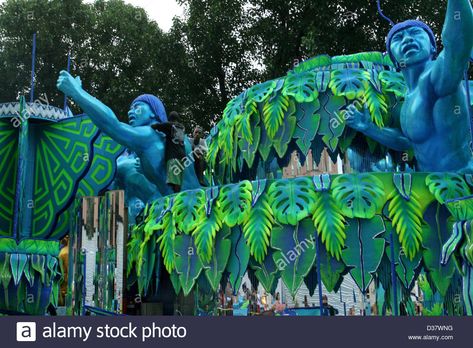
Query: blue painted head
[410, 41]
[145, 110]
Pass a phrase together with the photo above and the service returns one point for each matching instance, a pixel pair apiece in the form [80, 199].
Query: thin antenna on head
[68, 70]
[380, 11]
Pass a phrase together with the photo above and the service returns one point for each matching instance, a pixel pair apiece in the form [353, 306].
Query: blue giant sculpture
[434, 118]
[137, 136]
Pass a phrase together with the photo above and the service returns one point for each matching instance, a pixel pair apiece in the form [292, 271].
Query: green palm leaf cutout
[188, 264]
[291, 200]
[359, 195]
[452, 244]
[350, 83]
[243, 125]
[295, 253]
[166, 242]
[329, 223]
[261, 92]
[406, 216]
[257, 228]
[393, 82]
[133, 247]
[225, 143]
[302, 87]
[364, 249]
[377, 105]
[235, 202]
[204, 235]
[188, 209]
[221, 253]
[274, 110]
[446, 187]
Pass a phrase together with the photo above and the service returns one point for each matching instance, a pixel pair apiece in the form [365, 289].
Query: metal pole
[393, 274]
[68, 70]
[33, 61]
[319, 278]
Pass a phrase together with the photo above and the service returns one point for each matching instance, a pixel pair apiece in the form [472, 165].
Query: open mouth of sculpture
[410, 48]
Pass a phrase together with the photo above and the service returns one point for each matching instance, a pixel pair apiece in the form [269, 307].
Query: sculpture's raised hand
[69, 85]
[356, 119]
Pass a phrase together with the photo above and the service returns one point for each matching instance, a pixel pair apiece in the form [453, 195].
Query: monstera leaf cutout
[393, 82]
[292, 200]
[448, 189]
[332, 121]
[257, 228]
[295, 253]
[302, 87]
[436, 232]
[238, 260]
[364, 249]
[308, 122]
[235, 202]
[274, 110]
[359, 195]
[188, 264]
[189, 209]
[350, 83]
[233, 109]
[261, 92]
[330, 223]
[221, 252]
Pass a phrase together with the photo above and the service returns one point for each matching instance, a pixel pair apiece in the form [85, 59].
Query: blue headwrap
[155, 104]
[408, 24]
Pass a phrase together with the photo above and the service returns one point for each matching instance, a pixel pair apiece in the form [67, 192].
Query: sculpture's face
[411, 46]
[140, 114]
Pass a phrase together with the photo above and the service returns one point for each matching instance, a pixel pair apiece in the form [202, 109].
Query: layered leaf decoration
[238, 260]
[350, 83]
[188, 263]
[266, 272]
[257, 228]
[393, 82]
[359, 195]
[188, 210]
[166, 242]
[301, 87]
[436, 232]
[331, 269]
[377, 105]
[295, 253]
[329, 223]
[449, 189]
[215, 268]
[235, 201]
[292, 200]
[364, 249]
[205, 233]
[261, 92]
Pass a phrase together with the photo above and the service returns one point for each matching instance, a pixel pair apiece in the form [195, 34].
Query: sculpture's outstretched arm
[457, 37]
[390, 137]
[103, 117]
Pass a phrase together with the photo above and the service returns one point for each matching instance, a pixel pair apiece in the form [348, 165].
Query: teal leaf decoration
[453, 243]
[331, 269]
[283, 137]
[436, 232]
[308, 122]
[38, 264]
[302, 87]
[249, 150]
[189, 209]
[329, 223]
[266, 272]
[332, 121]
[359, 195]
[292, 200]
[257, 228]
[188, 263]
[364, 249]
[235, 202]
[5, 272]
[295, 252]
[259, 93]
[238, 260]
[17, 263]
[221, 252]
[166, 242]
[349, 83]
[377, 105]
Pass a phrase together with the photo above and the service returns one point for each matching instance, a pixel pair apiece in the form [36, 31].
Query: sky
[161, 11]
